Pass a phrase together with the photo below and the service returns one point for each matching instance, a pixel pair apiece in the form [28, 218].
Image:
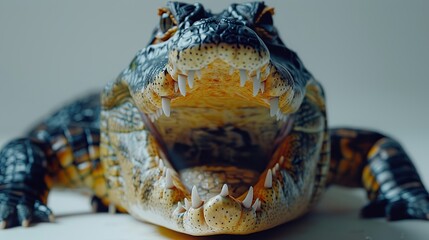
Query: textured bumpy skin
[216, 127]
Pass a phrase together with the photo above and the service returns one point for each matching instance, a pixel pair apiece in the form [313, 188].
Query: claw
[51, 218]
[25, 223]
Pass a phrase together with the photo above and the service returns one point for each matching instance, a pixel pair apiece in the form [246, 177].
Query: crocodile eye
[165, 22]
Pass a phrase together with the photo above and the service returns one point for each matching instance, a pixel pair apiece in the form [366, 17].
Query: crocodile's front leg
[63, 150]
[24, 184]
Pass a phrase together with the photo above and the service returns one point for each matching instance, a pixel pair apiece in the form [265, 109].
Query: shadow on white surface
[336, 217]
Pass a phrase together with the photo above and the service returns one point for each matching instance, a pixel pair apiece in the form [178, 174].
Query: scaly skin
[216, 127]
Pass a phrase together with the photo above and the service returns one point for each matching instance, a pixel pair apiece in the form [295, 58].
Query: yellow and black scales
[64, 150]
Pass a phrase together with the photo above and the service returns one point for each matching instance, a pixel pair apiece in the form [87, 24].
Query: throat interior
[217, 146]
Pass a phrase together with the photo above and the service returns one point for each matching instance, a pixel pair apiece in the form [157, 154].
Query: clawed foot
[397, 210]
[99, 206]
[17, 210]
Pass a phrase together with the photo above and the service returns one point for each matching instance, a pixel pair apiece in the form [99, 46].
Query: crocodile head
[191, 130]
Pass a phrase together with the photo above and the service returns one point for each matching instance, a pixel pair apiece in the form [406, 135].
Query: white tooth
[277, 167]
[282, 159]
[273, 170]
[231, 70]
[176, 87]
[247, 202]
[168, 179]
[191, 74]
[198, 74]
[166, 103]
[268, 179]
[161, 164]
[196, 200]
[180, 208]
[224, 191]
[256, 85]
[274, 106]
[278, 115]
[258, 74]
[187, 204]
[256, 205]
[263, 87]
[243, 77]
[182, 84]
[152, 119]
[159, 112]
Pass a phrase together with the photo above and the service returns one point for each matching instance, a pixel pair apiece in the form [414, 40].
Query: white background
[371, 56]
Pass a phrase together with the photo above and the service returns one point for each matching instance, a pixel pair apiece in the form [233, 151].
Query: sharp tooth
[273, 170]
[187, 204]
[152, 119]
[191, 74]
[274, 106]
[179, 205]
[198, 72]
[231, 70]
[168, 179]
[182, 84]
[247, 202]
[176, 87]
[166, 103]
[243, 77]
[268, 179]
[159, 112]
[161, 164]
[263, 87]
[257, 205]
[277, 167]
[224, 191]
[195, 198]
[256, 85]
[278, 116]
[180, 208]
[282, 159]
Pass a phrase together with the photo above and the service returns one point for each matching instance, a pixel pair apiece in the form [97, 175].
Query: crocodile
[215, 127]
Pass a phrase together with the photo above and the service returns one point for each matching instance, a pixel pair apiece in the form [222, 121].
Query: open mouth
[218, 123]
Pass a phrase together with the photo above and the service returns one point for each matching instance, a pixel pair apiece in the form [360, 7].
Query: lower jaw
[275, 198]
[267, 207]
